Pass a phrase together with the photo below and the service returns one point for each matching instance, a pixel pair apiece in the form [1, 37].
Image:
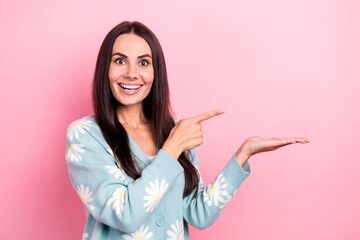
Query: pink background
[278, 68]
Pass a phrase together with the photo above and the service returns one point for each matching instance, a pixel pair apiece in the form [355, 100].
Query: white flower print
[156, 192]
[214, 192]
[85, 196]
[140, 234]
[118, 199]
[84, 237]
[73, 153]
[177, 232]
[78, 126]
[118, 173]
[227, 200]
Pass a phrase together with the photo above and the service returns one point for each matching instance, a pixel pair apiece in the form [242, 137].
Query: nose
[131, 72]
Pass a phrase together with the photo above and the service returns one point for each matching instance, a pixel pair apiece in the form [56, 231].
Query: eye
[143, 63]
[120, 61]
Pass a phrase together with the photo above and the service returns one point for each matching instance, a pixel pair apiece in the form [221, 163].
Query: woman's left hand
[254, 145]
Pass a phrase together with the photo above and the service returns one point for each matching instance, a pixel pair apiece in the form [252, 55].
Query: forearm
[241, 157]
[210, 200]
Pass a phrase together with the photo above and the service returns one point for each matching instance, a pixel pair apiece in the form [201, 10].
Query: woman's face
[131, 71]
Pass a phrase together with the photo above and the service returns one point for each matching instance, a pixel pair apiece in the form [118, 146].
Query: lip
[130, 92]
[131, 84]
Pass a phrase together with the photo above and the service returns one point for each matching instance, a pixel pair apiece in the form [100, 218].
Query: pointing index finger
[208, 115]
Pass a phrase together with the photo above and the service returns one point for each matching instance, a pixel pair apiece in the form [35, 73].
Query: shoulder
[85, 129]
[85, 141]
[84, 121]
[80, 125]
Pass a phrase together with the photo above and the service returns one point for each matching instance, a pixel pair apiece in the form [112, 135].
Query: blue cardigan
[152, 206]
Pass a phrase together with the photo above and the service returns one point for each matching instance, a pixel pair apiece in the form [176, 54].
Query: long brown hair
[156, 105]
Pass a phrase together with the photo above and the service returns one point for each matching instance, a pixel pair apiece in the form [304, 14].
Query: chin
[129, 102]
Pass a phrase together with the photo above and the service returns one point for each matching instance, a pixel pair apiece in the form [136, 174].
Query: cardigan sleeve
[102, 185]
[203, 209]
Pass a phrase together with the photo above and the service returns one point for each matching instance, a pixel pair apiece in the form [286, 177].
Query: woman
[134, 168]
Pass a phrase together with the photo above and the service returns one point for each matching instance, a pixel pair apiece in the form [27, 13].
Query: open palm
[254, 145]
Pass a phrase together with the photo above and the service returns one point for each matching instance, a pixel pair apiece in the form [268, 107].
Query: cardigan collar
[135, 149]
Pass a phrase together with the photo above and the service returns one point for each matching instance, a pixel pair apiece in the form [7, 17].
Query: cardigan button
[160, 221]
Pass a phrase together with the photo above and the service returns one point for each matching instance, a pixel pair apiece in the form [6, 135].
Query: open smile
[130, 89]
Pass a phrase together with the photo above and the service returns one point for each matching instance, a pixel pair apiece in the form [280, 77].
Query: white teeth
[130, 87]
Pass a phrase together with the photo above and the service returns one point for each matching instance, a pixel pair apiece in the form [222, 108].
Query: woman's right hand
[187, 134]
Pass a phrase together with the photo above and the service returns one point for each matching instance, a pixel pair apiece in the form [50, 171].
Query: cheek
[148, 76]
[113, 74]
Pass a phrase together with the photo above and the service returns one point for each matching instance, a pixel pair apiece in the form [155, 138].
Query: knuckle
[183, 122]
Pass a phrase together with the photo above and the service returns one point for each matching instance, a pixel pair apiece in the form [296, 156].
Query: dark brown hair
[156, 105]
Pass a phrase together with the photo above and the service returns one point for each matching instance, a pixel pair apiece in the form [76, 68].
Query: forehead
[131, 44]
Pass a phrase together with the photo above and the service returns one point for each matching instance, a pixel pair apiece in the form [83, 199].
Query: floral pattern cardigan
[152, 206]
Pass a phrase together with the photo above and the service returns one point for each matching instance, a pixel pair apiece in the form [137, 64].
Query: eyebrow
[123, 55]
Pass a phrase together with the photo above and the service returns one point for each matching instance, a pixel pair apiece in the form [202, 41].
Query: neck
[132, 115]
